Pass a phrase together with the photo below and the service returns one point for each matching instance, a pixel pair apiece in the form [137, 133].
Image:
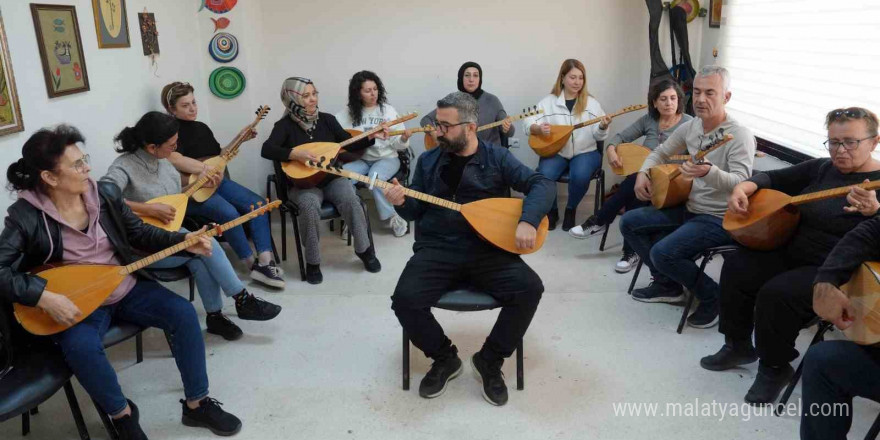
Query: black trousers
[771, 292]
[433, 271]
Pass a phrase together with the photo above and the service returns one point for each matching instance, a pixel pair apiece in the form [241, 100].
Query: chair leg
[520, 376]
[875, 429]
[299, 250]
[139, 347]
[692, 295]
[405, 357]
[168, 340]
[25, 423]
[283, 236]
[192, 289]
[369, 224]
[604, 236]
[77, 414]
[632, 283]
[105, 420]
[819, 337]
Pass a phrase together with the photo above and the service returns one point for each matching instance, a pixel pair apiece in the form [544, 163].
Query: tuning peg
[260, 204]
[252, 207]
[310, 163]
[268, 201]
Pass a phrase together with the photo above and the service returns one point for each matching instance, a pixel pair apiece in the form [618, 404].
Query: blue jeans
[667, 241]
[580, 170]
[834, 373]
[212, 274]
[148, 304]
[386, 169]
[229, 202]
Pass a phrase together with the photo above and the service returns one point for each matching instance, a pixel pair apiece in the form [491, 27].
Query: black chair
[32, 376]
[465, 300]
[599, 177]
[328, 212]
[875, 430]
[823, 327]
[706, 256]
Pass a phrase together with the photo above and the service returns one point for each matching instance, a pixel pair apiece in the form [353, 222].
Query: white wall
[122, 81]
[415, 47]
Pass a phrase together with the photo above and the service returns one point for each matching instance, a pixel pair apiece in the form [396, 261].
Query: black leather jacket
[25, 242]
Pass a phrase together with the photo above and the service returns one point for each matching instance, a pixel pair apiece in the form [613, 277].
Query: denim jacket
[490, 173]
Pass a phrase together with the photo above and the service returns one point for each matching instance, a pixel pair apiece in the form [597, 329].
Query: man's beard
[456, 145]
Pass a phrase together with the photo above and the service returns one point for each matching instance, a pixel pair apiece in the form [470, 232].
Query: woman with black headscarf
[470, 80]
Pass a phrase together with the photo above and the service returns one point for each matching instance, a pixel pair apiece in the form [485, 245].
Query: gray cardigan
[490, 110]
[649, 128]
[141, 176]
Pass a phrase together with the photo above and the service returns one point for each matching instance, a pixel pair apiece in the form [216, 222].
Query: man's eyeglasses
[81, 164]
[849, 144]
[444, 127]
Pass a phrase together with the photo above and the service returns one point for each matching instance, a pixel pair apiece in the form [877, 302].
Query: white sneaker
[591, 230]
[627, 263]
[398, 225]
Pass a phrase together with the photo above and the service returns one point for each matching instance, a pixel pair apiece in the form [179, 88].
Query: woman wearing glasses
[665, 114]
[302, 124]
[772, 291]
[143, 172]
[367, 108]
[470, 81]
[568, 103]
[196, 142]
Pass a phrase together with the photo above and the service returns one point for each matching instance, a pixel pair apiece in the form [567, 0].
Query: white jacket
[582, 140]
[382, 148]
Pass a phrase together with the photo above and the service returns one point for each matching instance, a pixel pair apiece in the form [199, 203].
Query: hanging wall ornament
[226, 82]
[218, 6]
[220, 23]
[223, 47]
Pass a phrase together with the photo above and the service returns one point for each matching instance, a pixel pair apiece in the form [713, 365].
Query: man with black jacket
[837, 371]
[448, 253]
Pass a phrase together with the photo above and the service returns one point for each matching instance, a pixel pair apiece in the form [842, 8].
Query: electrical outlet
[513, 143]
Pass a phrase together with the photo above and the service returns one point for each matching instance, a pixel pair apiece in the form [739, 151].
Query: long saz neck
[832, 193]
[198, 184]
[383, 184]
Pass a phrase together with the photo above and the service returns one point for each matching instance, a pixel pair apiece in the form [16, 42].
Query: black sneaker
[705, 316]
[659, 292]
[313, 274]
[553, 217]
[587, 229]
[731, 355]
[490, 375]
[371, 263]
[128, 427]
[219, 324]
[210, 415]
[441, 372]
[269, 274]
[252, 308]
[768, 384]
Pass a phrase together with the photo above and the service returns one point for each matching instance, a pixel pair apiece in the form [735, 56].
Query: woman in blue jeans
[143, 172]
[570, 103]
[196, 142]
[367, 108]
[62, 215]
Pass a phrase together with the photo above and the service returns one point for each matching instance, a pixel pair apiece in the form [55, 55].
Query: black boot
[553, 216]
[732, 354]
[371, 263]
[313, 274]
[768, 383]
[568, 220]
[128, 427]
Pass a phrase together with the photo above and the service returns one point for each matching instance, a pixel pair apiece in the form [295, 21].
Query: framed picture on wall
[715, 13]
[10, 112]
[64, 64]
[111, 24]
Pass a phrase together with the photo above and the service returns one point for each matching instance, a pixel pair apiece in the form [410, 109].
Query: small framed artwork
[149, 34]
[111, 23]
[10, 112]
[715, 13]
[58, 38]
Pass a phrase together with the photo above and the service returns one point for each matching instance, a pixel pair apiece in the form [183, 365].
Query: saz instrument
[351, 156]
[430, 143]
[227, 155]
[306, 177]
[773, 215]
[668, 187]
[632, 156]
[547, 145]
[494, 219]
[863, 290]
[89, 285]
[179, 203]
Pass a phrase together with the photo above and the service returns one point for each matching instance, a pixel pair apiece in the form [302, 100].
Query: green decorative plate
[226, 82]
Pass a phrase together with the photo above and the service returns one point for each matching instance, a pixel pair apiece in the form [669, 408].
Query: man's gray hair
[467, 106]
[715, 69]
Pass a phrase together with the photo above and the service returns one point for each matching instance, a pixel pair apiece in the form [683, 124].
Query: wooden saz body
[179, 202]
[218, 162]
[550, 144]
[632, 156]
[668, 187]
[86, 285]
[496, 220]
[770, 223]
[863, 290]
[303, 175]
[430, 143]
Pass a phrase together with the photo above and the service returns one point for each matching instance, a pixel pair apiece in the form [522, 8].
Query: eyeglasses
[81, 164]
[849, 144]
[444, 127]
